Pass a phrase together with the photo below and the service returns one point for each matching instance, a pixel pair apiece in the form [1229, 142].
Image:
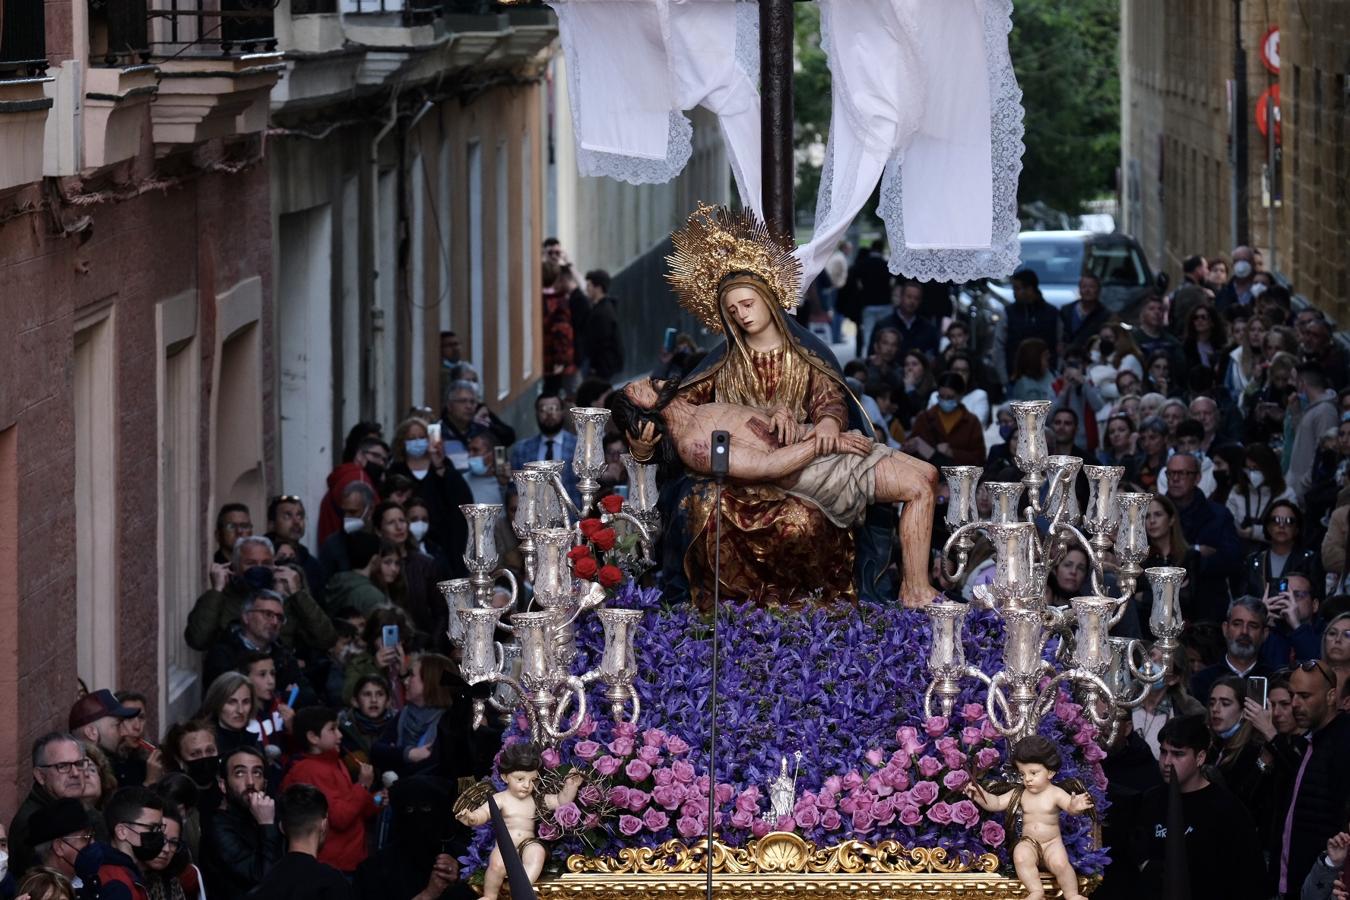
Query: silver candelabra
[1102, 671]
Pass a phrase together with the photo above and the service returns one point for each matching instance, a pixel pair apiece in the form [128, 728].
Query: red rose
[604, 539]
[585, 567]
[579, 551]
[610, 576]
[590, 526]
[611, 503]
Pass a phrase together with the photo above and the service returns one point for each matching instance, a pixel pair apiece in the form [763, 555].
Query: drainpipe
[373, 374]
[402, 323]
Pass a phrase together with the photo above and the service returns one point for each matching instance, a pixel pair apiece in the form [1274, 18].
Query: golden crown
[717, 242]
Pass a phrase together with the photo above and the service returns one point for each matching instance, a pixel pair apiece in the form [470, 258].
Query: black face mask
[152, 845]
[1106, 348]
[374, 471]
[178, 864]
[256, 578]
[203, 771]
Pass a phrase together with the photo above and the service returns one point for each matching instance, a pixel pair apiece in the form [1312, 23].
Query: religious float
[835, 749]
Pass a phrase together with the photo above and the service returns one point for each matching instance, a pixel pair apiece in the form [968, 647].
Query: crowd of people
[334, 732]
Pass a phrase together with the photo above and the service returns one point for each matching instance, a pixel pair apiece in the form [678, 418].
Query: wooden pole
[775, 93]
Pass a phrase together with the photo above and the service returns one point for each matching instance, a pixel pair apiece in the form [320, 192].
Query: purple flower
[637, 770]
[653, 737]
[650, 755]
[606, 765]
[941, 813]
[586, 728]
[663, 776]
[548, 831]
[618, 795]
[741, 819]
[910, 816]
[971, 736]
[929, 766]
[567, 815]
[973, 712]
[629, 825]
[667, 795]
[655, 820]
[1093, 754]
[551, 758]
[862, 821]
[748, 799]
[637, 800]
[953, 759]
[987, 758]
[682, 771]
[592, 820]
[924, 792]
[676, 746]
[621, 746]
[874, 757]
[965, 813]
[808, 818]
[587, 750]
[723, 794]
[852, 781]
[989, 731]
[830, 820]
[992, 833]
[688, 826]
[834, 784]
[625, 729]
[955, 781]
[759, 828]
[590, 795]
[936, 726]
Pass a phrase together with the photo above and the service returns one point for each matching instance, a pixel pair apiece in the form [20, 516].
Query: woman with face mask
[419, 455]
[947, 434]
[1258, 484]
[1166, 699]
[164, 875]
[1236, 750]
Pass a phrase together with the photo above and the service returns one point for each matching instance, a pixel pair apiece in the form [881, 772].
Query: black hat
[96, 705]
[61, 819]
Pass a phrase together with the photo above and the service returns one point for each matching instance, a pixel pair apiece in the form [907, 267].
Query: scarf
[415, 721]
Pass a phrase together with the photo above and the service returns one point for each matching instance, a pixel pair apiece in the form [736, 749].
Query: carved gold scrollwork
[784, 853]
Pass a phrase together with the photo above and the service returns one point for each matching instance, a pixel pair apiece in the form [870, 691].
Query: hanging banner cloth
[924, 101]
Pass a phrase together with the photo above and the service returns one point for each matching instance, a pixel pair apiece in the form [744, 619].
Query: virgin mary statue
[776, 549]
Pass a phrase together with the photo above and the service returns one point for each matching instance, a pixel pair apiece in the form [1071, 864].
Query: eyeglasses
[173, 844]
[285, 498]
[150, 827]
[1284, 521]
[1334, 633]
[270, 614]
[1309, 664]
[1181, 473]
[65, 768]
[238, 526]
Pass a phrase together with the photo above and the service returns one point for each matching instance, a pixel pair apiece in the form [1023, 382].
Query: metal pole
[1241, 226]
[775, 96]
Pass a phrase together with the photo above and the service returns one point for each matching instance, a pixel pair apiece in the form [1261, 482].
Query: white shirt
[976, 402]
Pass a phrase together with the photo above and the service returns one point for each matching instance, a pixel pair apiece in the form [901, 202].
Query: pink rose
[655, 820]
[929, 766]
[637, 770]
[827, 801]
[621, 746]
[972, 712]
[1082, 738]
[741, 819]
[667, 796]
[682, 771]
[586, 728]
[895, 777]
[618, 795]
[1065, 710]
[971, 736]
[653, 737]
[910, 816]
[587, 750]
[550, 758]
[954, 781]
[629, 825]
[808, 817]
[924, 792]
[987, 758]
[784, 823]
[701, 785]
[941, 813]
[663, 776]
[848, 804]
[834, 784]
[989, 731]
[637, 800]
[862, 801]
[723, 794]
[953, 759]
[1093, 753]
[606, 765]
[592, 820]
[862, 821]
[676, 746]
[688, 826]
[650, 755]
[936, 726]
[830, 820]
[590, 795]
[567, 815]
[625, 729]
[759, 828]
[992, 834]
[748, 800]
[874, 757]
[946, 745]
[965, 813]
[877, 786]
[547, 831]
[852, 781]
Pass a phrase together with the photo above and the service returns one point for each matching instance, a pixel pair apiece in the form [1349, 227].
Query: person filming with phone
[1295, 624]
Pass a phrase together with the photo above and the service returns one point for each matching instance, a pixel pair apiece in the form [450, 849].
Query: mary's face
[746, 307]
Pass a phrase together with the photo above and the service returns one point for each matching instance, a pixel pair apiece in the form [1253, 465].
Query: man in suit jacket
[552, 442]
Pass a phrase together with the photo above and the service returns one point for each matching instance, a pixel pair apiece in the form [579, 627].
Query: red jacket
[330, 511]
[349, 805]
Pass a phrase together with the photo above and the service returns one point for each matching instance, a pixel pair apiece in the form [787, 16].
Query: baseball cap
[94, 706]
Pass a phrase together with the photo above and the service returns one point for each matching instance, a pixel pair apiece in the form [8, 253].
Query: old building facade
[1196, 169]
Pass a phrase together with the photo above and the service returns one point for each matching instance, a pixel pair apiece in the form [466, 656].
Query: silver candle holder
[589, 459]
[481, 554]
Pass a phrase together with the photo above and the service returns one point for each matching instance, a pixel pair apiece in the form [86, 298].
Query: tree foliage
[1065, 53]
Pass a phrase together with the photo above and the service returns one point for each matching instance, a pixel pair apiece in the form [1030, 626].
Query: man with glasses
[57, 834]
[1244, 631]
[259, 631]
[232, 523]
[1313, 811]
[98, 718]
[59, 764]
[134, 817]
[1209, 529]
[1296, 624]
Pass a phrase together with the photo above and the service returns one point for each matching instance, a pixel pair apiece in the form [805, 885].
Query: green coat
[215, 611]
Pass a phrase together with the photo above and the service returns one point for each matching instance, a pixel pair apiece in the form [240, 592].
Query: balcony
[23, 100]
[118, 33]
[408, 12]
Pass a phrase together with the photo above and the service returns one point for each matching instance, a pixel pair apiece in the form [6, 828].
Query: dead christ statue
[839, 483]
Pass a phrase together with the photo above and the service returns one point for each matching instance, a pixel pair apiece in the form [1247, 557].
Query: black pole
[775, 98]
[1241, 226]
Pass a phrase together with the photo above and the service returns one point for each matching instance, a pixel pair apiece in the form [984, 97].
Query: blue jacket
[564, 448]
[1209, 524]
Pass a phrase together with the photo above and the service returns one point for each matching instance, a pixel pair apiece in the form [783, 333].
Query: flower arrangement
[604, 556]
[844, 688]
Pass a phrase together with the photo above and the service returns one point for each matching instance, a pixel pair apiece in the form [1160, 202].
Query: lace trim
[629, 169]
[747, 60]
[1007, 130]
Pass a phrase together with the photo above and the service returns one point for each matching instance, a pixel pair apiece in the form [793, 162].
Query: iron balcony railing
[312, 7]
[23, 39]
[211, 27]
[118, 32]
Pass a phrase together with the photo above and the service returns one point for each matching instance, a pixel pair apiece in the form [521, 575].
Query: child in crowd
[271, 718]
[349, 804]
[368, 726]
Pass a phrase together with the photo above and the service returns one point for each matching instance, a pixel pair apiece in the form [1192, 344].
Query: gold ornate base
[782, 865]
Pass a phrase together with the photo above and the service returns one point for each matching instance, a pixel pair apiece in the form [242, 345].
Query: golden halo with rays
[717, 242]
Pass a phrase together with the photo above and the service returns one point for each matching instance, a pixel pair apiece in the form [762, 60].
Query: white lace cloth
[924, 101]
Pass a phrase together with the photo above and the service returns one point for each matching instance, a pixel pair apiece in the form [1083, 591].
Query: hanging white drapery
[924, 101]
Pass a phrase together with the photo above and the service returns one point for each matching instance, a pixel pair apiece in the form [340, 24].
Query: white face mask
[1256, 477]
[1242, 269]
[418, 530]
[4, 865]
[1258, 289]
[351, 525]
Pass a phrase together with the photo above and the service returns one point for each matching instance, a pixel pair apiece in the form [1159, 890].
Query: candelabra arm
[567, 505]
[616, 707]
[479, 713]
[996, 705]
[1046, 701]
[510, 576]
[963, 555]
[978, 675]
[554, 730]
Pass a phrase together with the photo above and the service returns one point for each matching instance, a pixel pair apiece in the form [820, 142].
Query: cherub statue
[1032, 813]
[519, 766]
